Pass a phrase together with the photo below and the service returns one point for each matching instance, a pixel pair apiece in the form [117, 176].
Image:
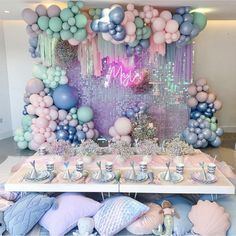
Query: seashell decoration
[209, 219]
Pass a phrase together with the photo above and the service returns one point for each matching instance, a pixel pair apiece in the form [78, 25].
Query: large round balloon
[85, 114]
[65, 97]
[34, 86]
[123, 126]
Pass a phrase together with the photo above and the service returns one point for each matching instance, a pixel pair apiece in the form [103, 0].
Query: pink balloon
[34, 99]
[130, 28]
[30, 109]
[90, 124]
[90, 134]
[217, 104]
[39, 138]
[47, 134]
[192, 102]
[39, 111]
[135, 11]
[130, 7]
[96, 134]
[146, 8]
[175, 36]
[158, 24]
[166, 15]
[46, 111]
[35, 27]
[123, 126]
[41, 10]
[155, 12]
[159, 37]
[48, 101]
[52, 125]
[73, 123]
[130, 16]
[205, 88]
[112, 132]
[168, 41]
[167, 36]
[53, 10]
[202, 96]
[211, 98]
[126, 139]
[142, 14]
[33, 145]
[53, 114]
[149, 14]
[51, 138]
[41, 122]
[29, 16]
[34, 86]
[201, 82]
[147, 21]
[42, 104]
[199, 88]
[73, 42]
[192, 90]
[171, 26]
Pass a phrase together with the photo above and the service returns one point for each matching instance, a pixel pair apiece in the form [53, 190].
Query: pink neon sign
[128, 77]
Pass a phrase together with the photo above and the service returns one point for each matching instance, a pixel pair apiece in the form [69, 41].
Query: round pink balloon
[53, 114]
[126, 139]
[171, 26]
[146, 8]
[130, 7]
[73, 42]
[217, 104]
[202, 96]
[41, 10]
[211, 98]
[39, 111]
[90, 124]
[149, 14]
[159, 37]
[167, 35]
[192, 90]
[123, 126]
[30, 109]
[53, 11]
[35, 27]
[29, 16]
[192, 102]
[158, 24]
[155, 12]
[51, 138]
[142, 14]
[34, 99]
[52, 125]
[41, 122]
[199, 88]
[39, 138]
[112, 131]
[96, 133]
[130, 16]
[90, 134]
[166, 15]
[205, 88]
[34, 86]
[73, 123]
[48, 101]
[130, 28]
[62, 114]
[201, 82]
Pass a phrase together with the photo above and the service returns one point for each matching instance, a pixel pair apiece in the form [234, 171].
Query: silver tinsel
[176, 147]
[147, 147]
[88, 148]
[122, 149]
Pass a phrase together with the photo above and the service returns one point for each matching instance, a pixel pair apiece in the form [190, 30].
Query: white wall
[215, 59]
[5, 114]
[19, 66]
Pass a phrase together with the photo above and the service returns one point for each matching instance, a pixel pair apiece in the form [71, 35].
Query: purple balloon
[119, 36]
[29, 16]
[53, 11]
[41, 10]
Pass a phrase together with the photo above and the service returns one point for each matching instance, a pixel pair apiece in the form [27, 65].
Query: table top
[17, 183]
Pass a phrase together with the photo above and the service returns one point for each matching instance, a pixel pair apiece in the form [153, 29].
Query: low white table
[187, 186]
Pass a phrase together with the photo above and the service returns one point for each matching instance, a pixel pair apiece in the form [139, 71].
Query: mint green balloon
[56, 35]
[85, 114]
[75, 9]
[26, 121]
[200, 20]
[74, 116]
[92, 12]
[66, 35]
[73, 110]
[43, 22]
[80, 4]
[55, 24]
[146, 32]
[73, 29]
[134, 44]
[98, 11]
[71, 21]
[39, 71]
[49, 32]
[213, 127]
[27, 136]
[80, 35]
[22, 144]
[16, 138]
[65, 26]
[70, 4]
[138, 22]
[66, 14]
[80, 20]
[139, 32]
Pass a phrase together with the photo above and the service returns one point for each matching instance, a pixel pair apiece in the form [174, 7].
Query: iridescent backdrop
[170, 76]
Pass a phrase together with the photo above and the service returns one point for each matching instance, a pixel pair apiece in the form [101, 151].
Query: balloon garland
[202, 127]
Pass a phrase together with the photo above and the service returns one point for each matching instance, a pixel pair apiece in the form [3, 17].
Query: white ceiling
[215, 9]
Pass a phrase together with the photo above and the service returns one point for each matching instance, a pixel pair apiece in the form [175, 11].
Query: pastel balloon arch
[52, 111]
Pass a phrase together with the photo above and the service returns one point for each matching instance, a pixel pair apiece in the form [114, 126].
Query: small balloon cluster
[191, 24]
[33, 43]
[95, 13]
[202, 128]
[110, 24]
[202, 102]
[52, 77]
[202, 132]
[135, 111]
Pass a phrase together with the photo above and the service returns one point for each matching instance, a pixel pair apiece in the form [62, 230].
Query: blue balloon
[191, 129]
[130, 113]
[117, 15]
[180, 10]
[136, 109]
[200, 136]
[94, 26]
[81, 135]
[219, 131]
[186, 28]
[33, 42]
[199, 143]
[119, 28]
[191, 138]
[129, 51]
[111, 26]
[59, 127]
[213, 136]
[72, 130]
[123, 113]
[188, 17]
[71, 137]
[216, 142]
[213, 110]
[207, 133]
[144, 43]
[197, 130]
[204, 143]
[195, 124]
[138, 48]
[119, 36]
[202, 106]
[103, 27]
[195, 31]
[202, 125]
[185, 133]
[188, 9]
[211, 105]
[208, 114]
[206, 124]
[65, 97]
[112, 31]
[191, 123]
[178, 18]
[195, 115]
[62, 135]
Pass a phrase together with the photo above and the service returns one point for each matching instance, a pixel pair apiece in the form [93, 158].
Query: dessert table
[156, 164]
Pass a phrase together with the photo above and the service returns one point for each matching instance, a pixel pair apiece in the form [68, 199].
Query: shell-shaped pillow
[149, 221]
[209, 219]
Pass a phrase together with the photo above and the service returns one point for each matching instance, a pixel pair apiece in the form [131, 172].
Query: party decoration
[65, 97]
[122, 149]
[208, 225]
[34, 86]
[33, 49]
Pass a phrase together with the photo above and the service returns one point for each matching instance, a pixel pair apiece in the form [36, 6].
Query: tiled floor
[226, 152]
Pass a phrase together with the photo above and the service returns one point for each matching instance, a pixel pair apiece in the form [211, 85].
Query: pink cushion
[71, 207]
[147, 222]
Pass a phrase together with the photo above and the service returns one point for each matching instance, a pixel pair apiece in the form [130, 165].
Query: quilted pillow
[117, 213]
[71, 207]
[26, 212]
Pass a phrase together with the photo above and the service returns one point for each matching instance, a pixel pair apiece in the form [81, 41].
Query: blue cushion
[26, 212]
[117, 213]
[182, 206]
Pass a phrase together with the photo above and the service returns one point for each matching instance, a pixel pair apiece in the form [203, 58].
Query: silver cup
[80, 166]
[143, 166]
[211, 168]
[109, 166]
[42, 151]
[50, 166]
[180, 168]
